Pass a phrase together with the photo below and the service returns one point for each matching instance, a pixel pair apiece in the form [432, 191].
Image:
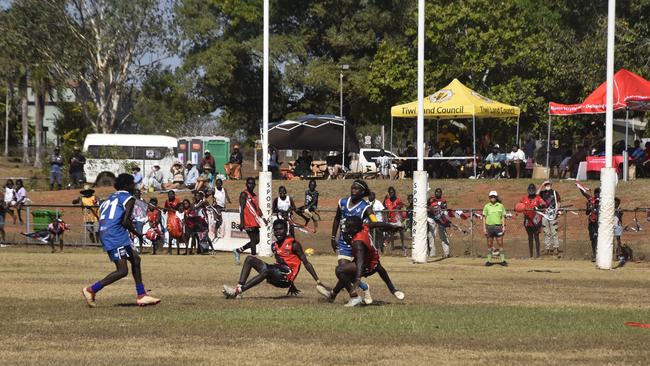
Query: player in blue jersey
[354, 205]
[114, 226]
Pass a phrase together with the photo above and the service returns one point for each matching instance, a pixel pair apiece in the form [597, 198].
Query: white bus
[108, 155]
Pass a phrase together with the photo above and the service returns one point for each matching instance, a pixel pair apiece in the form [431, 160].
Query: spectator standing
[528, 205]
[3, 212]
[220, 195]
[383, 162]
[577, 157]
[552, 203]
[593, 212]
[516, 159]
[20, 196]
[77, 171]
[10, 198]
[56, 169]
[273, 164]
[191, 176]
[208, 159]
[233, 167]
[138, 179]
[89, 204]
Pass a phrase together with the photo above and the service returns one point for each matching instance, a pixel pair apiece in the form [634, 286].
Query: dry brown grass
[456, 312]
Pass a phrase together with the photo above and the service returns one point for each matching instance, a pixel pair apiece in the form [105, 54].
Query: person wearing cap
[155, 179]
[493, 163]
[204, 182]
[208, 159]
[77, 172]
[549, 220]
[90, 208]
[138, 179]
[191, 175]
[233, 166]
[494, 226]
[56, 167]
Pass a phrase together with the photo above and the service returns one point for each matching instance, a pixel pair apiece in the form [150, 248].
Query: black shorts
[277, 275]
[494, 231]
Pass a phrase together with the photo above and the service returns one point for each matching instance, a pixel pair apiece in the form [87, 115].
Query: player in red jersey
[365, 264]
[250, 216]
[289, 256]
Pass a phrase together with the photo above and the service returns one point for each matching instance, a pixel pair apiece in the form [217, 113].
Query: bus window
[110, 152]
[150, 153]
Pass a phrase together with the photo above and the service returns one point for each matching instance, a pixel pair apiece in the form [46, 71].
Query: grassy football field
[455, 312]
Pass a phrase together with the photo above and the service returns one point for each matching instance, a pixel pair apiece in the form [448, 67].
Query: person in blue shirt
[56, 169]
[114, 226]
[191, 176]
[354, 205]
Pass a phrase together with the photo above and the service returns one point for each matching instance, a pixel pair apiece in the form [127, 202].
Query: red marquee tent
[631, 91]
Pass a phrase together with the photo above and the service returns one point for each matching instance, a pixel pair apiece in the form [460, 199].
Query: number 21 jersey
[111, 231]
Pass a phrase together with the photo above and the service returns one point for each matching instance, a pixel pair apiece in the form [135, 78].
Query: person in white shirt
[377, 208]
[383, 165]
[516, 159]
[220, 194]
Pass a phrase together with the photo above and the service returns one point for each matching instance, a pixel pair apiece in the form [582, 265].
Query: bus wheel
[105, 180]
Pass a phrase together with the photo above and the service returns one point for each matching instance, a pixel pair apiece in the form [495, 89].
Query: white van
[108, 155]
[364, 162]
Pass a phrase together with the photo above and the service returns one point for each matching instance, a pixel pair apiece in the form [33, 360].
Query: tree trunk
[10, 88]
[25, 118]
[39, 105]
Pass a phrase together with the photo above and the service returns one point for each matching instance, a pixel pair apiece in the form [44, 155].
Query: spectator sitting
[204, 181]
[303, 165]
[516, 159]
[137, 177]
[178, 177]
[493, 162]
[335, 166]
[191, 176]
[233, 167]
[208, 159]
[444, 135]
[155, 179]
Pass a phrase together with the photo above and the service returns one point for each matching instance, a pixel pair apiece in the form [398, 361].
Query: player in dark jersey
[592, 211]
[289, 256]
[309, 210]
[365, 263]
[114, 227]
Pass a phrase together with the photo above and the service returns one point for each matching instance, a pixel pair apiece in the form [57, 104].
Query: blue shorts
[345, 250]
[123, 252]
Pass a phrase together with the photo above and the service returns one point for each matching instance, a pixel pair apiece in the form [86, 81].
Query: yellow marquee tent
[456, 101]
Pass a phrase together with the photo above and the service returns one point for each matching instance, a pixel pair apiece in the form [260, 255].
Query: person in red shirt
[174, 225]
[438, 222]
[393, 204]
[528, 205]
[289, 256]
[154, 233]
[365, 264]
[249, 217]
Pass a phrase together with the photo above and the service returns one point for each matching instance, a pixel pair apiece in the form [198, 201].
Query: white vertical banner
[265, 201]
[419, 252]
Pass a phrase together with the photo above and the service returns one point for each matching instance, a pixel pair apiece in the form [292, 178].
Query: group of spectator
[76, 170]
